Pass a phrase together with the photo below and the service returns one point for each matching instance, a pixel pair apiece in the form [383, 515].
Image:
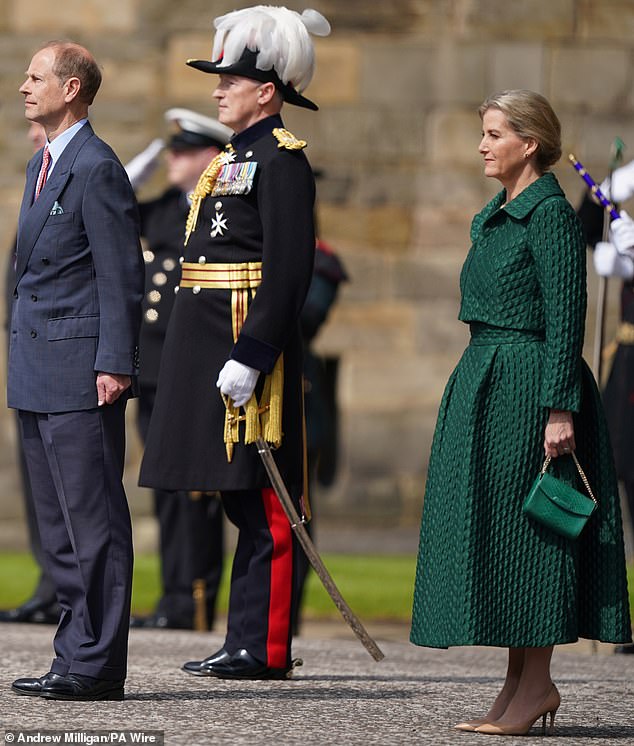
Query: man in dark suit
[72, 360]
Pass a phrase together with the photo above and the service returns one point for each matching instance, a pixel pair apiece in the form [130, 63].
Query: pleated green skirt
[486, 574]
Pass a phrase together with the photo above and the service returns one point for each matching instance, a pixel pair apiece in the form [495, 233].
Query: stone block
[453, 136]
[397, 73]
[384, 227]
[444, 230]
[609, 19]
[460, 72]
[397, 16]
[391, 377]
[434, 275]
[439, 332]
[390, 444]
[526, 20]
[337, 72]
[73, 17]
[374, 328]
[183, 84]
[516, 65]
[578, 77]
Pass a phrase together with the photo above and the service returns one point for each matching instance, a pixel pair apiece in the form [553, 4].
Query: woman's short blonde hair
[530, 115]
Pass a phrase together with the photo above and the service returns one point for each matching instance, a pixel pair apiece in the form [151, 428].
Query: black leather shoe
[242, 665]
[160, 621]
[75, 687]
[201, 668]
[624, 649]
[33, 611]
[33, 687]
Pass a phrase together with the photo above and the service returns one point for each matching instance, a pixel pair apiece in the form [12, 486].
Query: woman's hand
[559, 437]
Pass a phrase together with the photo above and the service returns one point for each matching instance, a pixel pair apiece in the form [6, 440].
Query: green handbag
[557, 505]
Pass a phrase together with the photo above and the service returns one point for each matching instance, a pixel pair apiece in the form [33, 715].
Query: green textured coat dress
[486, 574]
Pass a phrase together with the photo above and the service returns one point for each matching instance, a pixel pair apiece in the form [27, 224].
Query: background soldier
[247, 266]
[190, 523]
[615, 258]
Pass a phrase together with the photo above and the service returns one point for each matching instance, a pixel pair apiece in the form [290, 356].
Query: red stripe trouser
[262, 596]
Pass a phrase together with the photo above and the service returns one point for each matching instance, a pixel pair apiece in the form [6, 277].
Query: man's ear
[72, 87]
[266, 93]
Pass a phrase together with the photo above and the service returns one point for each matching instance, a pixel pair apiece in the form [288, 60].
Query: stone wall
[398, 84]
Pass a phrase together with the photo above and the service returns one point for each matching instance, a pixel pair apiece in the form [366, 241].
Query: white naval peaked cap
[195, 130]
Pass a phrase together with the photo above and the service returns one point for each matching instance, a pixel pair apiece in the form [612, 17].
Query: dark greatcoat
[271, 222]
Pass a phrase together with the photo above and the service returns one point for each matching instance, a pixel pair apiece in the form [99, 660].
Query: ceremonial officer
[615, 258]
[246, 269]
[190, 523]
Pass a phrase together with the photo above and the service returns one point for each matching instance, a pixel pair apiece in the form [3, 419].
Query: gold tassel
[272, 397]
[232, 427]
[203, 189]
[252, 429]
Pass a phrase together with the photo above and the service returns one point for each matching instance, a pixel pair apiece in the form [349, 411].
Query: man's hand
[110, 386]
[237, 381]
[622, 234]
[608, 262]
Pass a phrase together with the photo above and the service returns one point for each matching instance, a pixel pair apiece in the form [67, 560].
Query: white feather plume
[279, 35]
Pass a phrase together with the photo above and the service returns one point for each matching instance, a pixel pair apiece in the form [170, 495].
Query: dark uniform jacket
[163, 231]
[265, 215]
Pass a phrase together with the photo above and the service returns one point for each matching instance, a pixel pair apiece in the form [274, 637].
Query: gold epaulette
[287, 140]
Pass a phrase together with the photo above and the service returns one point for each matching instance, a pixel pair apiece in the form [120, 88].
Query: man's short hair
[74, 61]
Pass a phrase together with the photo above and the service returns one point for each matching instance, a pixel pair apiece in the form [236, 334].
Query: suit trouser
[75, 462]
[45, 588]
[262, 599]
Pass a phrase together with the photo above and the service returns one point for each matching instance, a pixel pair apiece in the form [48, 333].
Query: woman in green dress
[486, 574]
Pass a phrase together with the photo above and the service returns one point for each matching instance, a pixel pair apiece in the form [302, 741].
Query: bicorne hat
[269, 44]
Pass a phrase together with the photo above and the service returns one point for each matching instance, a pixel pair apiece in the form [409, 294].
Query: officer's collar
[256, 131]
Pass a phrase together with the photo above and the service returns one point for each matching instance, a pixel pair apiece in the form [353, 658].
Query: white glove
[143, 165]
[622, 184]
[237, 381]
[622, 234]
[608, 262]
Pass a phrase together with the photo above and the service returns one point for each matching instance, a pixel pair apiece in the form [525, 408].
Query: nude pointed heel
[549, 706]
[469, 726]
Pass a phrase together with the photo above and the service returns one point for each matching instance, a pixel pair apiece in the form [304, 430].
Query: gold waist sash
[221, 276]
[263, 418]
[625, 333]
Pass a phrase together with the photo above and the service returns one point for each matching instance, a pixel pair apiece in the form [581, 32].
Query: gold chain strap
[584, 479]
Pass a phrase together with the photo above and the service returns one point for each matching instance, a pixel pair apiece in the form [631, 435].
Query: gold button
[160, 278]
[148, 256]
[151, 315]
[168, 265]
[154, 296]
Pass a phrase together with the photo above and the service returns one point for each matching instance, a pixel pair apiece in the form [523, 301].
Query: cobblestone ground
[339, 696]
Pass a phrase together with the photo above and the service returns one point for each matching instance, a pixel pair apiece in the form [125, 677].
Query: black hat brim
[245, 67]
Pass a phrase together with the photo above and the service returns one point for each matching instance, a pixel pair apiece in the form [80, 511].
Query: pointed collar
[526, 201]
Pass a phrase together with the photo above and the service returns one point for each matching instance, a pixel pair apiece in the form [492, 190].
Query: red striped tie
[41, 179]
